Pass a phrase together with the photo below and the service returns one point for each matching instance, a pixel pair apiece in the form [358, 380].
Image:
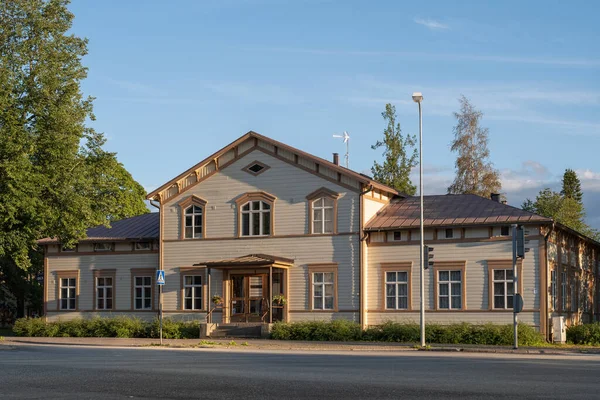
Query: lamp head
[417, 97]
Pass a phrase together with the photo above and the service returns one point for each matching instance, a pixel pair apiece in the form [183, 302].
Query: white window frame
[71, 289]
[142, 246]
[506, 283]
[449, 284]
[104, 290]
[194, 225]
[323, 285]
[142, 286]
[196, 291]
[396, 284]
[323, 207]
[261, 211]
[101, 247]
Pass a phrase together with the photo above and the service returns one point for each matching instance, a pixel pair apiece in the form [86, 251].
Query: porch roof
[249, 260]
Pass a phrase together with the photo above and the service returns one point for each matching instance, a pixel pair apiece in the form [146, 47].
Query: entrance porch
[249, 285]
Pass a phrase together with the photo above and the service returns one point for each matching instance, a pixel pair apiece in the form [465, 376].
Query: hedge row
[121, 327]
[462, 333]
[587, 334]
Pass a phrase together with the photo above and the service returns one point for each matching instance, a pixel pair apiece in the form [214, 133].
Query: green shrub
[586, 334]
[409, 332]
[121, 327]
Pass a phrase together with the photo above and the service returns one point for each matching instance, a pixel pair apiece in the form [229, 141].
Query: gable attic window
[504, 230]
[255, 168]
[142, 246]
[193, 218]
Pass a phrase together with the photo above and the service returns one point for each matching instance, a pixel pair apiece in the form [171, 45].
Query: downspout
[545, 289]
[362, 262]
[160, 242]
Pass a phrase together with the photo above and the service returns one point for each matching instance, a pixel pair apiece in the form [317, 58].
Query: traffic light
[520, 241]
[428, 257]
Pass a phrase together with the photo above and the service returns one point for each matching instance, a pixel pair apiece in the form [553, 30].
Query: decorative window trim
[325, 268]
[66, 275]
[316, 195]
[255, 196]
[101, 247]
[139, 272]
[450, 266]
[247, 169]
[191, 271]
[404, 266]
[105, 273]
[502, 264]
[192, 200]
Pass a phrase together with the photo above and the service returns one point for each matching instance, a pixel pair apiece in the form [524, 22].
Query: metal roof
[449, 210]
[250, 259]
[141, 227]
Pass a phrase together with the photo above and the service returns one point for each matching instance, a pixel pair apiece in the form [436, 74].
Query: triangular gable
[253, 141]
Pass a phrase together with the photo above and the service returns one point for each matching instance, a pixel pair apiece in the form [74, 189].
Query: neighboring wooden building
[259, 219]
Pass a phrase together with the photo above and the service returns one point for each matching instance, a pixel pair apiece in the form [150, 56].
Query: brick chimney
[495, 197]
[336, 158]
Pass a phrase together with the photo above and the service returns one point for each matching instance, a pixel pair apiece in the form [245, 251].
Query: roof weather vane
[346, 138]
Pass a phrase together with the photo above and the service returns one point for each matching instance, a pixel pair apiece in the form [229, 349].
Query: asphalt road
[52, 372]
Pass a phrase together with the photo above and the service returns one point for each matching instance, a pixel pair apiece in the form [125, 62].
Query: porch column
[209, 300]
[271, 294]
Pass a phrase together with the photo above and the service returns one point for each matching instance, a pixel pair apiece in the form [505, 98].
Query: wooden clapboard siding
[526, 317]
[287, 183]
[341, 249]
[475, 254]
[86, 264]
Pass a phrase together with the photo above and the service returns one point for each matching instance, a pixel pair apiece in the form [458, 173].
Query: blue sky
[175, 81]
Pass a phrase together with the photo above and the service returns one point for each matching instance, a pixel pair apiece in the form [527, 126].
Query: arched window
[322, 211]
[193, 218]
[193, 222]
[256, 214]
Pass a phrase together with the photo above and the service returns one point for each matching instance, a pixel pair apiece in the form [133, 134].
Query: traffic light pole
[515, 285]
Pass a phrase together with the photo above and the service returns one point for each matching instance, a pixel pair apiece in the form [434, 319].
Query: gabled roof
[250, 259]
[449, 210]
[362, 178]
[141, 227]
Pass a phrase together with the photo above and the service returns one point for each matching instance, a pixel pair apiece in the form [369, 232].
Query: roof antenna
[346, 138]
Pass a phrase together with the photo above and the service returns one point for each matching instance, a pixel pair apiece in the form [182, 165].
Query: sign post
[160, 281]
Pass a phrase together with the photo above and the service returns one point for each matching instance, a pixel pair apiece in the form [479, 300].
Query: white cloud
[431, 24]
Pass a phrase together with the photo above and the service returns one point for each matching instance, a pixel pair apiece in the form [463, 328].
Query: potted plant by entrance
[279, 300]
[217, 300]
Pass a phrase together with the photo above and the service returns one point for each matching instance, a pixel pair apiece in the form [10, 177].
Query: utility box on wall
[559, 330]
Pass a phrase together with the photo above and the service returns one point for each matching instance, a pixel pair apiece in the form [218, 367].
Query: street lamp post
[418, 98]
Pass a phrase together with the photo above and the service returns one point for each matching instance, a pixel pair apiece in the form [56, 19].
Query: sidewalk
[264, 344]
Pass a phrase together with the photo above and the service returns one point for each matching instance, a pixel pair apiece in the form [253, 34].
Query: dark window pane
[402, 303]
[138, 304]
[147, 292]
[402, 276]
[256, 224]
[64, 293]
[449, 233]
[456, 289]
[109, 293]
[197, 280]
[189, 210]
[391, 289]
[100, 304]
[509, 301]
[245, 224]
[397, 235]
[100, 281]
[198, 232]
[444, 275]
[72, 282]
[266, 206]
[138, 292]
[444, 290]
[147, 303]
[317, 227]
[108, 281]
[63, 303]
[147, 280]
[197, 304]
[100, 293]
[188, 304]
[109, 304]
[498, 301]
[72, 293]
[256, 205]
[188, 280]
[138, 280]
[188, 292]
[444, 303]
[455, 275]
[328, 227]
[318, 303]
[266, 223]
[499, 288]
[246, 207]
[402, 290]
[71, 304]
[456, 302]
[189, 232]
[64, 282]
[198, 220]
[498, 274]
[390, 277]
[390, 303]
[318, 215]
[504, 231]
[329, 303]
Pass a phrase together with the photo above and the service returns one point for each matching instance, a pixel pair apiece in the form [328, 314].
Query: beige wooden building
[258, 221]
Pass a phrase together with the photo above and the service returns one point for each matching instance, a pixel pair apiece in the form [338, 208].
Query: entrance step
[237, 330]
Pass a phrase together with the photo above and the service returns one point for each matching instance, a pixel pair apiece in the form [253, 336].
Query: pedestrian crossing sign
[160, 277]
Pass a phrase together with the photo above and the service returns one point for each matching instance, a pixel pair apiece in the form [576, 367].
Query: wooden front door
[248, 298]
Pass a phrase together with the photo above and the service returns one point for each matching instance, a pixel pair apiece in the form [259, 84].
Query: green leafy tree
[475, 174]
[399, 159]
[56, 179]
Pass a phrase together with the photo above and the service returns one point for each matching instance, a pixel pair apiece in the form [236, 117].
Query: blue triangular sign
[160, 277]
